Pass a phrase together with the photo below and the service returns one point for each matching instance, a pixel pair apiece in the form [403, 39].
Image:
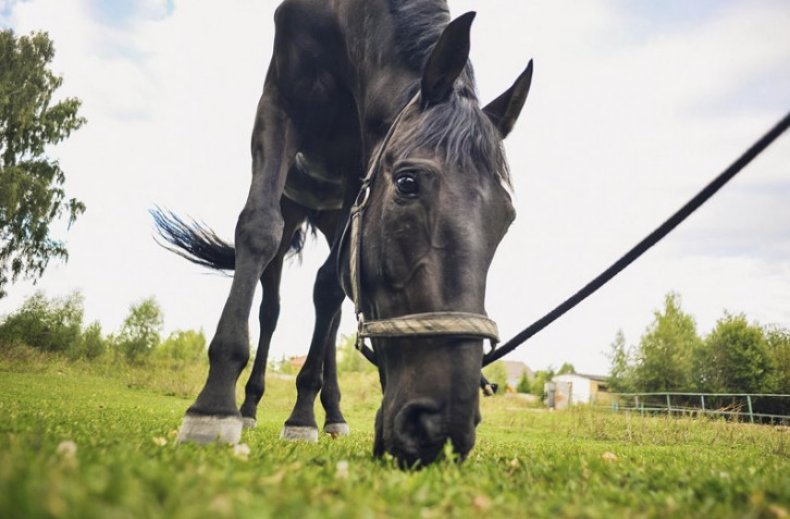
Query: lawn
[96, 440]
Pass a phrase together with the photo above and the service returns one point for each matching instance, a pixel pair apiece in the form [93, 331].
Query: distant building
[576, 388]
[514, 370]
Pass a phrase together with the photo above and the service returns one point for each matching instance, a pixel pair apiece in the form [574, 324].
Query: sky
[634, 106]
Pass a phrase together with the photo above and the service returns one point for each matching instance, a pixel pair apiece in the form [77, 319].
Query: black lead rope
[640, 248]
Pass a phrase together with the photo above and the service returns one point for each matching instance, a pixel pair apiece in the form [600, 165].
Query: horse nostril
[418, 425]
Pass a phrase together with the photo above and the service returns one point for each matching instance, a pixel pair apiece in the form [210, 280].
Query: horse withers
[368, 111]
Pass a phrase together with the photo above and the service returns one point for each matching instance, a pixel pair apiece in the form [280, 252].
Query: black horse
[367, 105]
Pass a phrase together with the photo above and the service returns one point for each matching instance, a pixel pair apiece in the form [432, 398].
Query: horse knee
[259, 231]
[309, 380]
[224, 349]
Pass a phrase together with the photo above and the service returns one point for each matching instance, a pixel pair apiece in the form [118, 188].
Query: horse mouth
[419, 435]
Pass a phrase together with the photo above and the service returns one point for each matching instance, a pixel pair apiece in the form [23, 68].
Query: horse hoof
[249, 423]
[337, 429]
[208, 429]
[299, 433]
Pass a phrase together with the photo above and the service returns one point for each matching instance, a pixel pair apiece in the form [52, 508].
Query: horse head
[436, 206]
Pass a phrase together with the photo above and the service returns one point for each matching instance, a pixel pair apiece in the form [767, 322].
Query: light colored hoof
[337, 429]
[299, 433]
[249, 423]
[208, 429]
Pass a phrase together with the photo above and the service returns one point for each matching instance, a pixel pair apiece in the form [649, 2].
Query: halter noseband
[427, 324]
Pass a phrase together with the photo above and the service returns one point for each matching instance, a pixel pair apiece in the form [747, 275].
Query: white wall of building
[580, 387]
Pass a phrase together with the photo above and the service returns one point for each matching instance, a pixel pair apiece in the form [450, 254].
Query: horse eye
[407, 184]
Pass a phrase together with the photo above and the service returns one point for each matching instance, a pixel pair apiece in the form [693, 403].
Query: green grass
[527, 462]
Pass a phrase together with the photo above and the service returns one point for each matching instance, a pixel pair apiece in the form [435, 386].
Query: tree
[523, 383]
[31, 183]
[621, 371]
[738, 357]
[777, 342]
[184, 346]
[140, 331]
[538, 386]
[91, 345]
[663, 360]
[45, 324]
[566, 368]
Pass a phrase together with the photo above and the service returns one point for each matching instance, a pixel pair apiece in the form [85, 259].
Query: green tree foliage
[621, 371]
[737, 357]
[777, 342]
[140, 331]
[184, 346]
[538, 386]
[664, 357]
[523, 384]
[31, 183]
[566, 368]
[45, 324]
[93, 344]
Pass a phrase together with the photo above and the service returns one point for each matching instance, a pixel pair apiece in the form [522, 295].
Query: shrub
[90, 344]
[48, 325]
[183, 345]
[140, 331]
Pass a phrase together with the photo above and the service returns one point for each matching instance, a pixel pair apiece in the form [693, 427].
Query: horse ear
[504, 110]
[447, 60]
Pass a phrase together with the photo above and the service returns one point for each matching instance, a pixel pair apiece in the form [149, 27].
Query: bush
[91, 344]
[523, 383]
[140, 331]
[184, 346]
[44, 324]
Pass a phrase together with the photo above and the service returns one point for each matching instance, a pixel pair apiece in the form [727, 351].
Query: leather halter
[427, 324]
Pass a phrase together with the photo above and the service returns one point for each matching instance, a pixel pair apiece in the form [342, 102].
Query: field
[528, 462]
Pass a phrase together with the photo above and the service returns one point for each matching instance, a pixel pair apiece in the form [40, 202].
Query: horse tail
[199, 244]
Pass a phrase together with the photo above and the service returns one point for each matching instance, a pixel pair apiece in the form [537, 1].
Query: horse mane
[417, 25]
[457, 126]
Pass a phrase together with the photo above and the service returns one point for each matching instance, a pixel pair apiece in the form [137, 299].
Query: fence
[760, 407]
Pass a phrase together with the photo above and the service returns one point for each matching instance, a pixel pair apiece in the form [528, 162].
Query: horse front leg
[327, 298]
[215, 415]
[269, 313]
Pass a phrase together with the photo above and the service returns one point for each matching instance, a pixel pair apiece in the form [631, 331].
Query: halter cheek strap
[428, 324]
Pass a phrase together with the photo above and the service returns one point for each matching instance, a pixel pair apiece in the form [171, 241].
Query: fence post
[749, 403]
[669, 406]
[702, 400]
